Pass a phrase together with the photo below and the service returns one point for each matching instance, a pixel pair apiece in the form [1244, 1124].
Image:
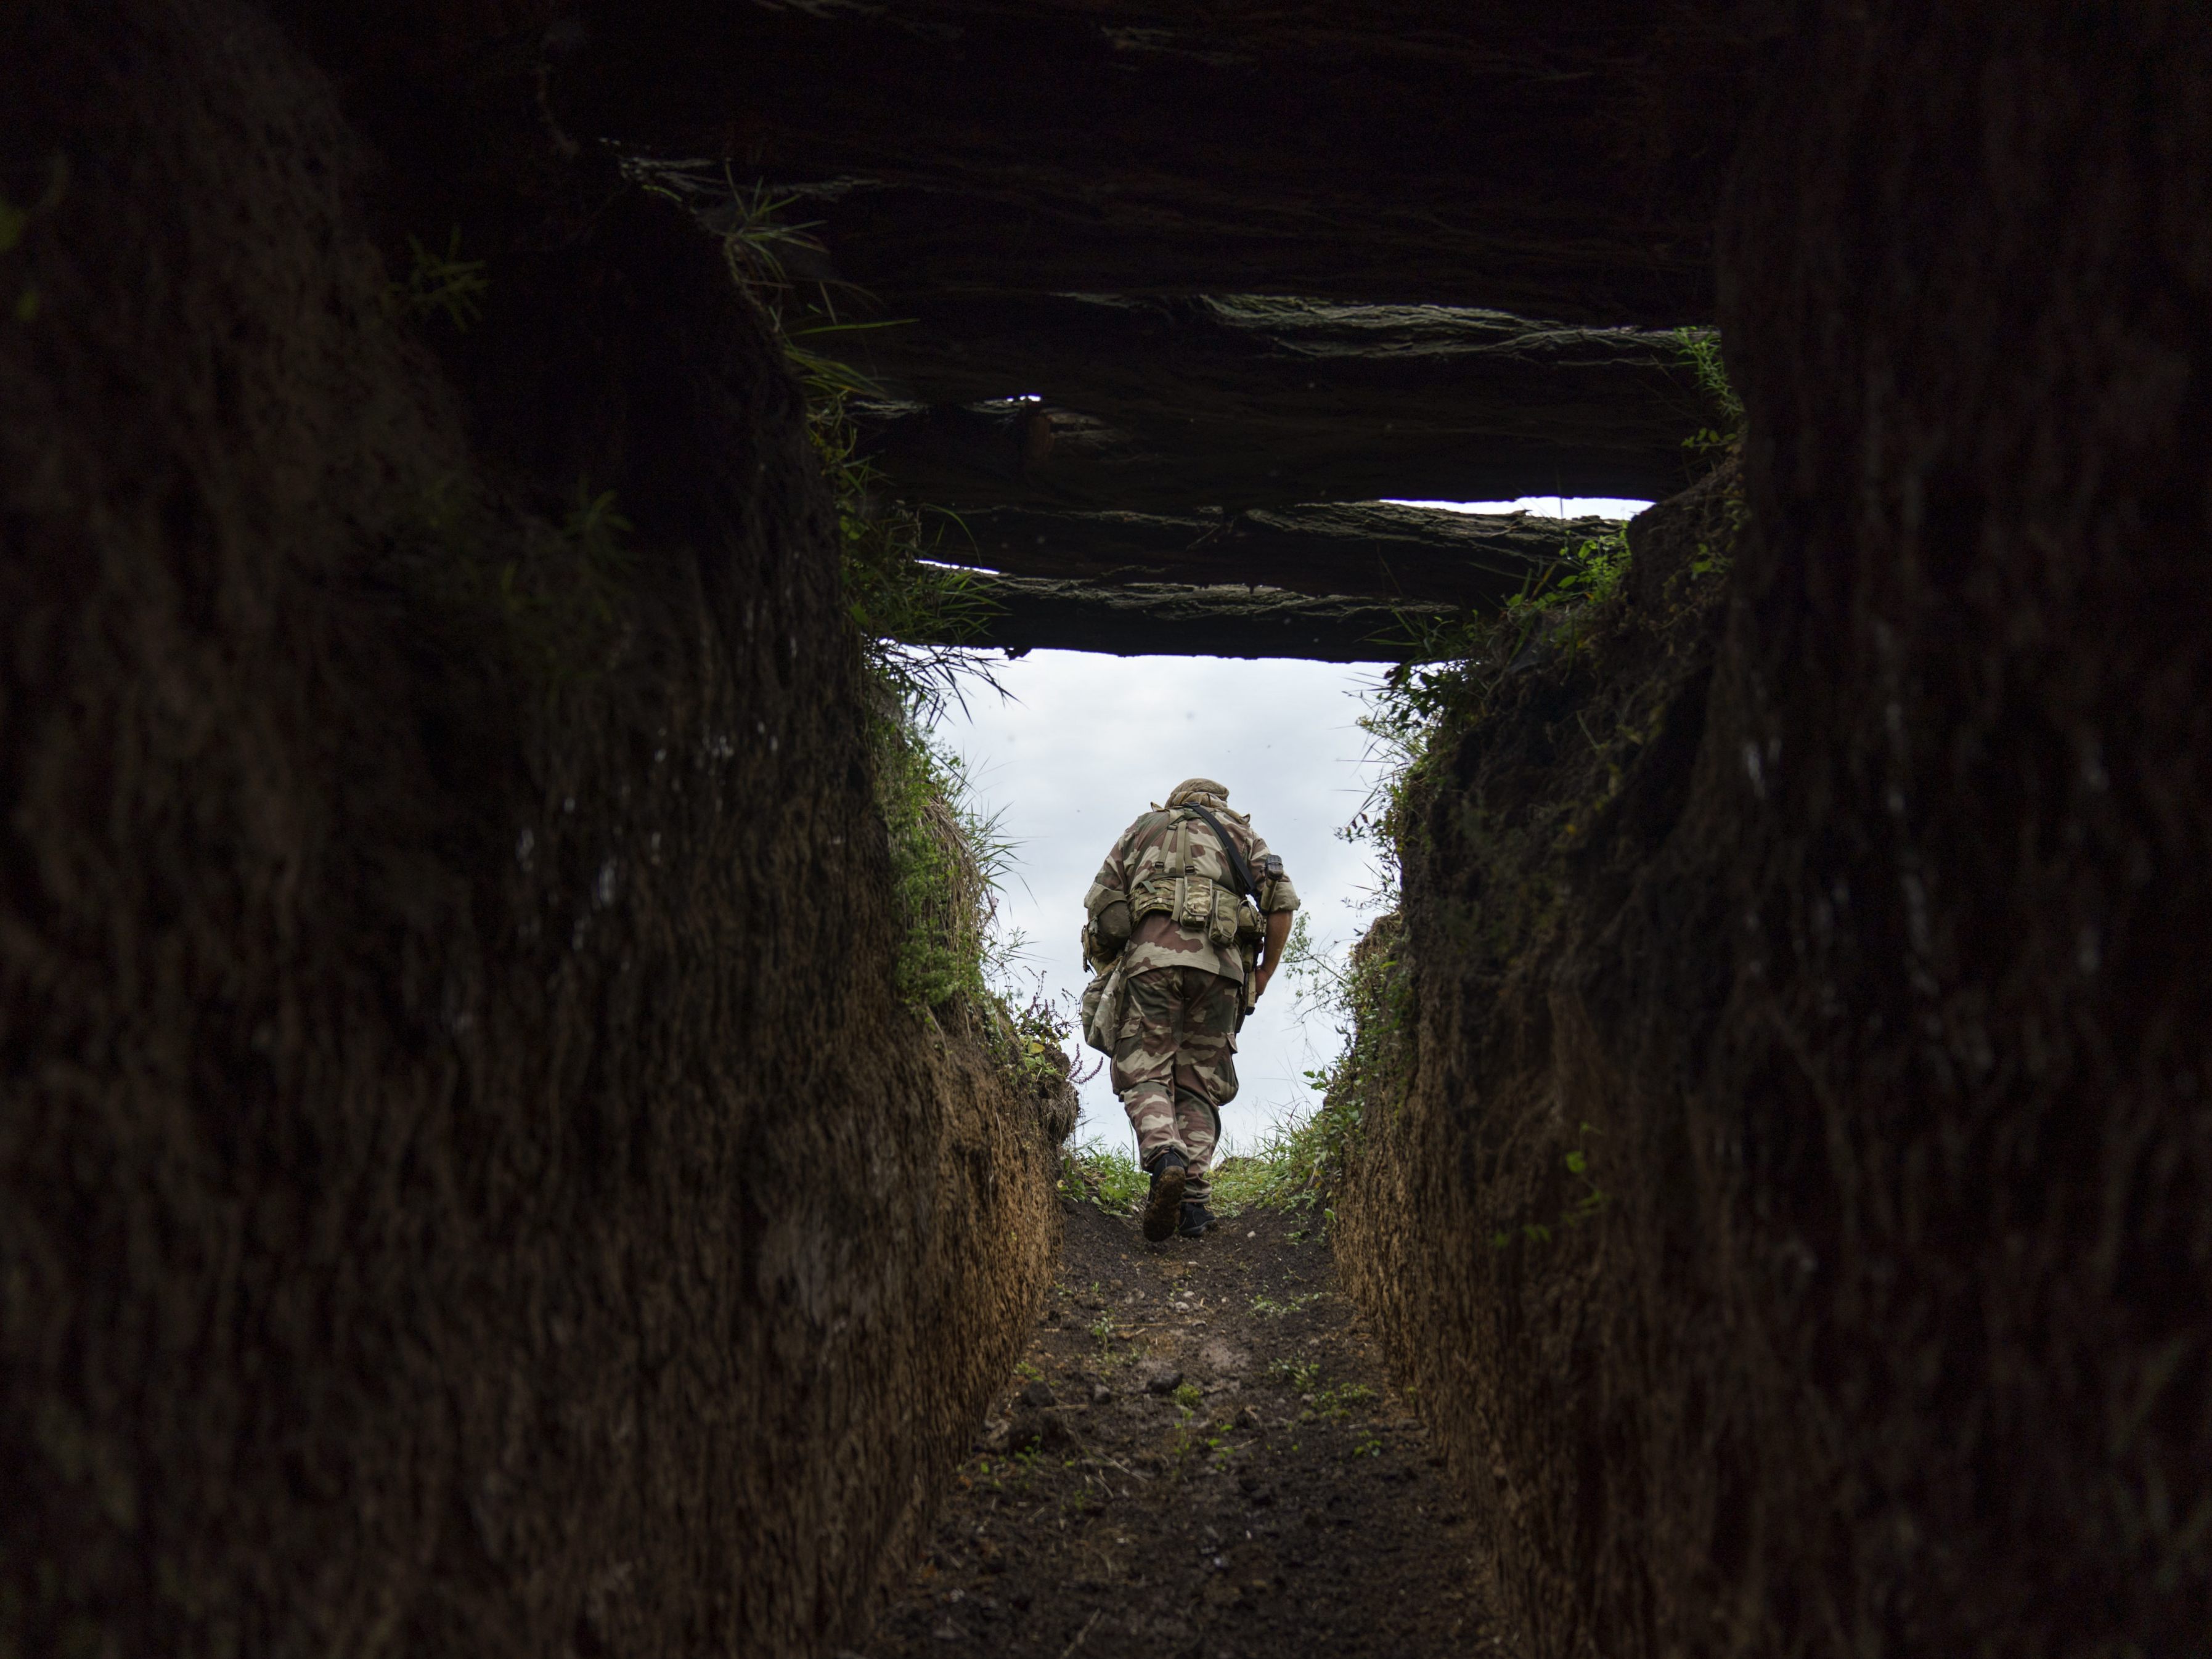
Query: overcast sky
[1085, 743]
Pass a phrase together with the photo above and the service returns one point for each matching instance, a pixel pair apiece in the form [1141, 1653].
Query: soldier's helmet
[1205, 791]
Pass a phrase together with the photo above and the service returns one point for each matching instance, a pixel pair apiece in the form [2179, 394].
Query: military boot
[1163, 1207]
[1197, 1219]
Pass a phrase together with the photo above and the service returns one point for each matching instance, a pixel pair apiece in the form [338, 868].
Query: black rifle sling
[1245, 885]
[1247, 888]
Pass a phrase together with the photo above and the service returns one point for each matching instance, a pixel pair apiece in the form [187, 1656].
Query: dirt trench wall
[467, 1186]
[1868, 997]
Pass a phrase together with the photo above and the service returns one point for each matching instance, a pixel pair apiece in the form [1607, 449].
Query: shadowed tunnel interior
[480, 1175]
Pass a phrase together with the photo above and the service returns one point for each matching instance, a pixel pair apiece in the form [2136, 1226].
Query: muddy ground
[1200, 1454]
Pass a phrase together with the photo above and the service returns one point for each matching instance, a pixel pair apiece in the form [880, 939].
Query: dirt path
[1200, 1457]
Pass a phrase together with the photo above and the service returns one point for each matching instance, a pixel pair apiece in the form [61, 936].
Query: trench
[502, 1151]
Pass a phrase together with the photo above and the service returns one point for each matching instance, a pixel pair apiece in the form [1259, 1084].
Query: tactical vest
[1167, 882]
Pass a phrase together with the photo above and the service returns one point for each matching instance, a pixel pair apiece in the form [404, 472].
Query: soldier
[1191, 910]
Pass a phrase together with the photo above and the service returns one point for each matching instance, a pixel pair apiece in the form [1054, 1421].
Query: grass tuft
[440, 284]
[1701, 352]
[1102, 1173]
[946, 859]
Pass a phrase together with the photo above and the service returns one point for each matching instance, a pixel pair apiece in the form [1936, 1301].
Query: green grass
[1701, 353]
[1281, 1172]
[1102, 1173]
[439, 285]
[946, 860]
[1299, 1376]
[1287, 1169]
[1334, 1405]
[1453, 665]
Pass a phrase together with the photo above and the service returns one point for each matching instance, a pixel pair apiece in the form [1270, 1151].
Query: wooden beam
[1144, 619]
[1371, 550]
[1153, 404]
[1510, 155]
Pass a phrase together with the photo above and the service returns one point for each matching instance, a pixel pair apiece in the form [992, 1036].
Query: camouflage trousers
[1175, 1064]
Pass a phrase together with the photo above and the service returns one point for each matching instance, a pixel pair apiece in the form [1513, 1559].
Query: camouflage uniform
[1183, 968]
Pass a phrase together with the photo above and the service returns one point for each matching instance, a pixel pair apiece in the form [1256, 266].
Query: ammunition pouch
[1220, 911]
[1197, 903]
[1154, 896]
[1199, 907]
[1221, 921]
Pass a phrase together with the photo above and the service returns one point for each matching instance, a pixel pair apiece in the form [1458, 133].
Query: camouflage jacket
[1179, 920]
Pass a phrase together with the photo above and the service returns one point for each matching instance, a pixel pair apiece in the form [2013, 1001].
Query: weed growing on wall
[548, 591]
[1455, 666]
[440, 284]
[1563, 641]
[945, 858]
[1033, 1034]
[1701, 353]
[1579, 691]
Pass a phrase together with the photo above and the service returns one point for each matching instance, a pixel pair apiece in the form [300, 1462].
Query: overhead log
[1143, 619]
[1513, 156]
[1169, 403]
[1371, 550]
